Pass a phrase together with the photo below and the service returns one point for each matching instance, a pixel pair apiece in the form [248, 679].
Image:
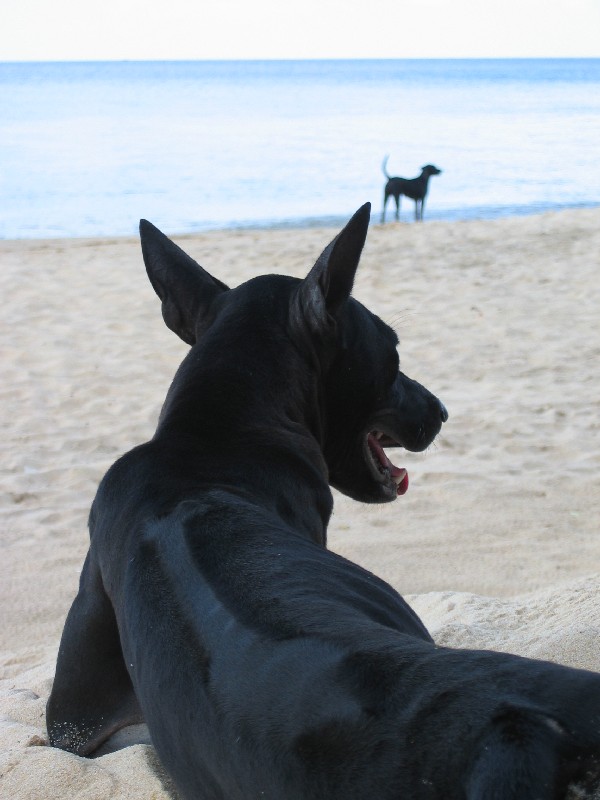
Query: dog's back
[261, 627]
[311, 675]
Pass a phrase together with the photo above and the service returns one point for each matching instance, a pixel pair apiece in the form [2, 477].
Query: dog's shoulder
[280, 582]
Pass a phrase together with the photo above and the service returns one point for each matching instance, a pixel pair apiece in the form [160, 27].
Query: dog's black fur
[265, 665]
[415, 188]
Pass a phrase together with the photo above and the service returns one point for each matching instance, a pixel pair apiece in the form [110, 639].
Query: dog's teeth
[379, 435]
[399, 478]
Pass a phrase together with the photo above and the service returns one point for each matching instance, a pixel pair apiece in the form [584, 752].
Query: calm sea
[89, 148]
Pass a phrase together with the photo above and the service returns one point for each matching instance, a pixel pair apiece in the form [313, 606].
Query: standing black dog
[264, 665]
[415, 188]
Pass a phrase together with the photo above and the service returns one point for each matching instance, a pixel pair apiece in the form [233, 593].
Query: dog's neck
[218, 412]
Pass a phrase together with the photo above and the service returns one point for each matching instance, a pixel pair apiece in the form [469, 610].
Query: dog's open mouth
[382, 468]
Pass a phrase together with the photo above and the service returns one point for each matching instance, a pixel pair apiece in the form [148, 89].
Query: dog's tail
[384, 167]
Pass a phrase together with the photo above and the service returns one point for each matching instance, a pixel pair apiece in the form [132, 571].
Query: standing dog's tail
[383, 167]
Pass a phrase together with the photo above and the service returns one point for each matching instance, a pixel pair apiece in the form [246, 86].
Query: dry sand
[497, 543]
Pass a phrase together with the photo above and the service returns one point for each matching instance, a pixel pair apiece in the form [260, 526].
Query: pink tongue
[403, 485]
[395, 472]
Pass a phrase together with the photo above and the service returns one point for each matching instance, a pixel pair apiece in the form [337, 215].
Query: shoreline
[497, 542]
[433, 216]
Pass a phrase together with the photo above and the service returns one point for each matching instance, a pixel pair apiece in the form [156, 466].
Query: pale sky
[240, 29]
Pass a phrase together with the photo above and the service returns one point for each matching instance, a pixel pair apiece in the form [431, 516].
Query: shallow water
[88, 148]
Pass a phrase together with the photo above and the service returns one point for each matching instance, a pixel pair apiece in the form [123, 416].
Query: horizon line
[256, 59]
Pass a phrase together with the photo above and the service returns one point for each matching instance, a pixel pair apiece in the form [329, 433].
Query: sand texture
[497, 543]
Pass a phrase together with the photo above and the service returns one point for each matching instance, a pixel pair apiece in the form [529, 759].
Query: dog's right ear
[185, 289]
[329, 283]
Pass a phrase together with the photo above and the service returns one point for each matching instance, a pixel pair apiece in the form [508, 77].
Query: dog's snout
[443, 411]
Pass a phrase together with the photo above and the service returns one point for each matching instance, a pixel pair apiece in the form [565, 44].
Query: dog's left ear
[185, 289]
[329, 283]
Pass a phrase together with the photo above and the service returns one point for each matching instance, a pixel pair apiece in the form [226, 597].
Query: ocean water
[87, 149]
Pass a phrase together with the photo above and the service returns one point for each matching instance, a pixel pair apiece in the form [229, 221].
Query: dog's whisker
[400, 319]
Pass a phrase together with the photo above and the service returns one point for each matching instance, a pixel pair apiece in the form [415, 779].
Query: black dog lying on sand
[415, 188]
[264, 665]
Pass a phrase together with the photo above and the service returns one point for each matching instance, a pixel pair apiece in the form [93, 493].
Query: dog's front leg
[92, 696]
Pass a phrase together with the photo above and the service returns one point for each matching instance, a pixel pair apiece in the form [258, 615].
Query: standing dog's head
[365, 404]
[429, 169]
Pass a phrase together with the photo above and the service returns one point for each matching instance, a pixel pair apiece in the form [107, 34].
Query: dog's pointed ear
[185, 289]
[329, 283]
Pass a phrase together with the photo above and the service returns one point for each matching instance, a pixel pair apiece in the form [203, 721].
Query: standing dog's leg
[92, 696]
[386, 197]
[397, 199]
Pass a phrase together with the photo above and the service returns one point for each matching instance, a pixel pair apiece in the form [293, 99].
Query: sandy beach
[496, 543]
